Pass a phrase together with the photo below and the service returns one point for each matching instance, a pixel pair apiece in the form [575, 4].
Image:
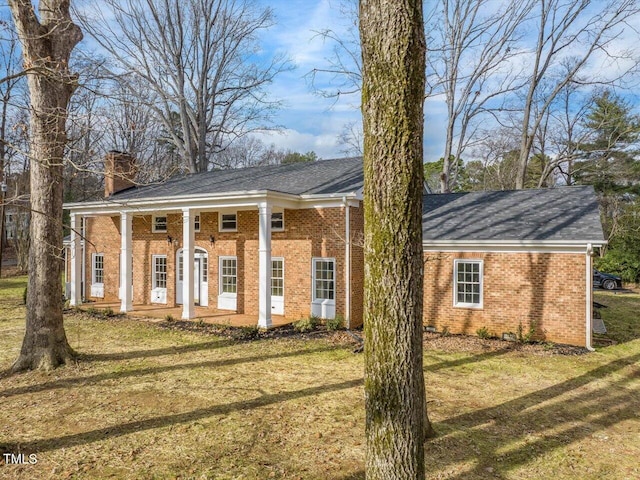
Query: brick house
[286, 240]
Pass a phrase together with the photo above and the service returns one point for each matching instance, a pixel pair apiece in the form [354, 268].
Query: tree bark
[47, 41]
[393, 51]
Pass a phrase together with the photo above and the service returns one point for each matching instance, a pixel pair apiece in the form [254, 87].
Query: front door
[200, 277]
[196, 281]
[277, 286]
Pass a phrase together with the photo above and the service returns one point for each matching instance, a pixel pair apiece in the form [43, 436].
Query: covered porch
[210, 315]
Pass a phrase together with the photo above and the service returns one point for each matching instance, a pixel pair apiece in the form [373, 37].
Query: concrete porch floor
[206, 314]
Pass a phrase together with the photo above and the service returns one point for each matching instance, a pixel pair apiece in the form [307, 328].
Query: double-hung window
[97, 275]
[277, 221]
[324, 287]
[467, 284]
[97, 272]
[228, 222]
[159, 224]
[228, 275]
[159, 271]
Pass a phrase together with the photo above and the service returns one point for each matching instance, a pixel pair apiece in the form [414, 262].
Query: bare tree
[48, 38]
[342, 74]
[570, 35]
[469, 57]
[192, 58]
[393, 53]
[10, 68]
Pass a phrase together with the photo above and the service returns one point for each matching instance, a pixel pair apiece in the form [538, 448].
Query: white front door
[277, 286]
[196, 281]
[200, 277]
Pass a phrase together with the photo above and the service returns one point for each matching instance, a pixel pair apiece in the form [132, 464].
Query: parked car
[606, 280]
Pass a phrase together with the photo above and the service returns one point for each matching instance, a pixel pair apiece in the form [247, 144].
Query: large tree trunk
[47, 43]
[393, 50]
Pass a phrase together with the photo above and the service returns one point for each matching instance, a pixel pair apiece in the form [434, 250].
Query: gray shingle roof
[344, 175]
[552, 214]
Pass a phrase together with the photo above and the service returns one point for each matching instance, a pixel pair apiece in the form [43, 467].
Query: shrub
[306, 324]
[169, 318]
[92, 311]
[248, 332]
[336, 323]
[622, 263]
[526, 337]
[445, 331]
[483, 333]
[108, 312]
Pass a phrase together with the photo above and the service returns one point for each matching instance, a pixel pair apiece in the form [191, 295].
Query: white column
[188, 307]
[264, 265]
[126, 261]
[76, 262]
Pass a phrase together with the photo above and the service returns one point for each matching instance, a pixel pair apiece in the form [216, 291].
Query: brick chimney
[119, 172]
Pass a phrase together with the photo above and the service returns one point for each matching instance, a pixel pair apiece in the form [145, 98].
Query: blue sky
[309, 121]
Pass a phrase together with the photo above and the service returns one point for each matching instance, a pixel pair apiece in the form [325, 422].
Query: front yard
[153, 402]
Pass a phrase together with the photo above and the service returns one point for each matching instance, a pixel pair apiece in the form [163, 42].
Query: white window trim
[94, 256]
[154, 285]
[153, 224]
[220, 283]
[220, 229]
[281, 229]
[456, 304]
[326, 301]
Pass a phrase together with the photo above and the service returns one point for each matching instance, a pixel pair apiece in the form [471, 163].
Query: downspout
[347, 265]
[589, 306]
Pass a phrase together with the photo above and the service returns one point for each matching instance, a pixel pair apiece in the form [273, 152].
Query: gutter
[347, 264]
[589, 297]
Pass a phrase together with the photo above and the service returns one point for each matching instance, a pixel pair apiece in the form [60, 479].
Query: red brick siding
[546, 290]
[356, 217]
[308, 233]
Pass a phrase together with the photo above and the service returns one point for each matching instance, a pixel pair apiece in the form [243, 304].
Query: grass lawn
[152, 402]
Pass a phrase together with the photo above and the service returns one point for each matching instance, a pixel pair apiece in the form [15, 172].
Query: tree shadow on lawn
[140, 372]
[119, 430]
[582, 414]
[491, 430]
[158, 352]
[486, 435]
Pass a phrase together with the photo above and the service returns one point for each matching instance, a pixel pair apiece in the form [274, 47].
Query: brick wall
[308, 233]
[543, 290]
[356, 217]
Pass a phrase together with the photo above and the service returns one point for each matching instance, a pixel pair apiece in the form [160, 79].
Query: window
[196, 223]
[323, 279]
[228, 222]
[97, 268]
[205, 269]
[467, 288]
[180, 267]
[228, 275]
[277, 221]
[277, 277]
[159, 271]
[159, 224]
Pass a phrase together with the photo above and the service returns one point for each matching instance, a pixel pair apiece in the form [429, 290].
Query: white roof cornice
[235, 200]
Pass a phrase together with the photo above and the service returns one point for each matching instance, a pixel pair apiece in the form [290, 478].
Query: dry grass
[147, 402]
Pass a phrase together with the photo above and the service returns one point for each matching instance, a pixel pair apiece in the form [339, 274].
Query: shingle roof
[552, 214]
[344, 175]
